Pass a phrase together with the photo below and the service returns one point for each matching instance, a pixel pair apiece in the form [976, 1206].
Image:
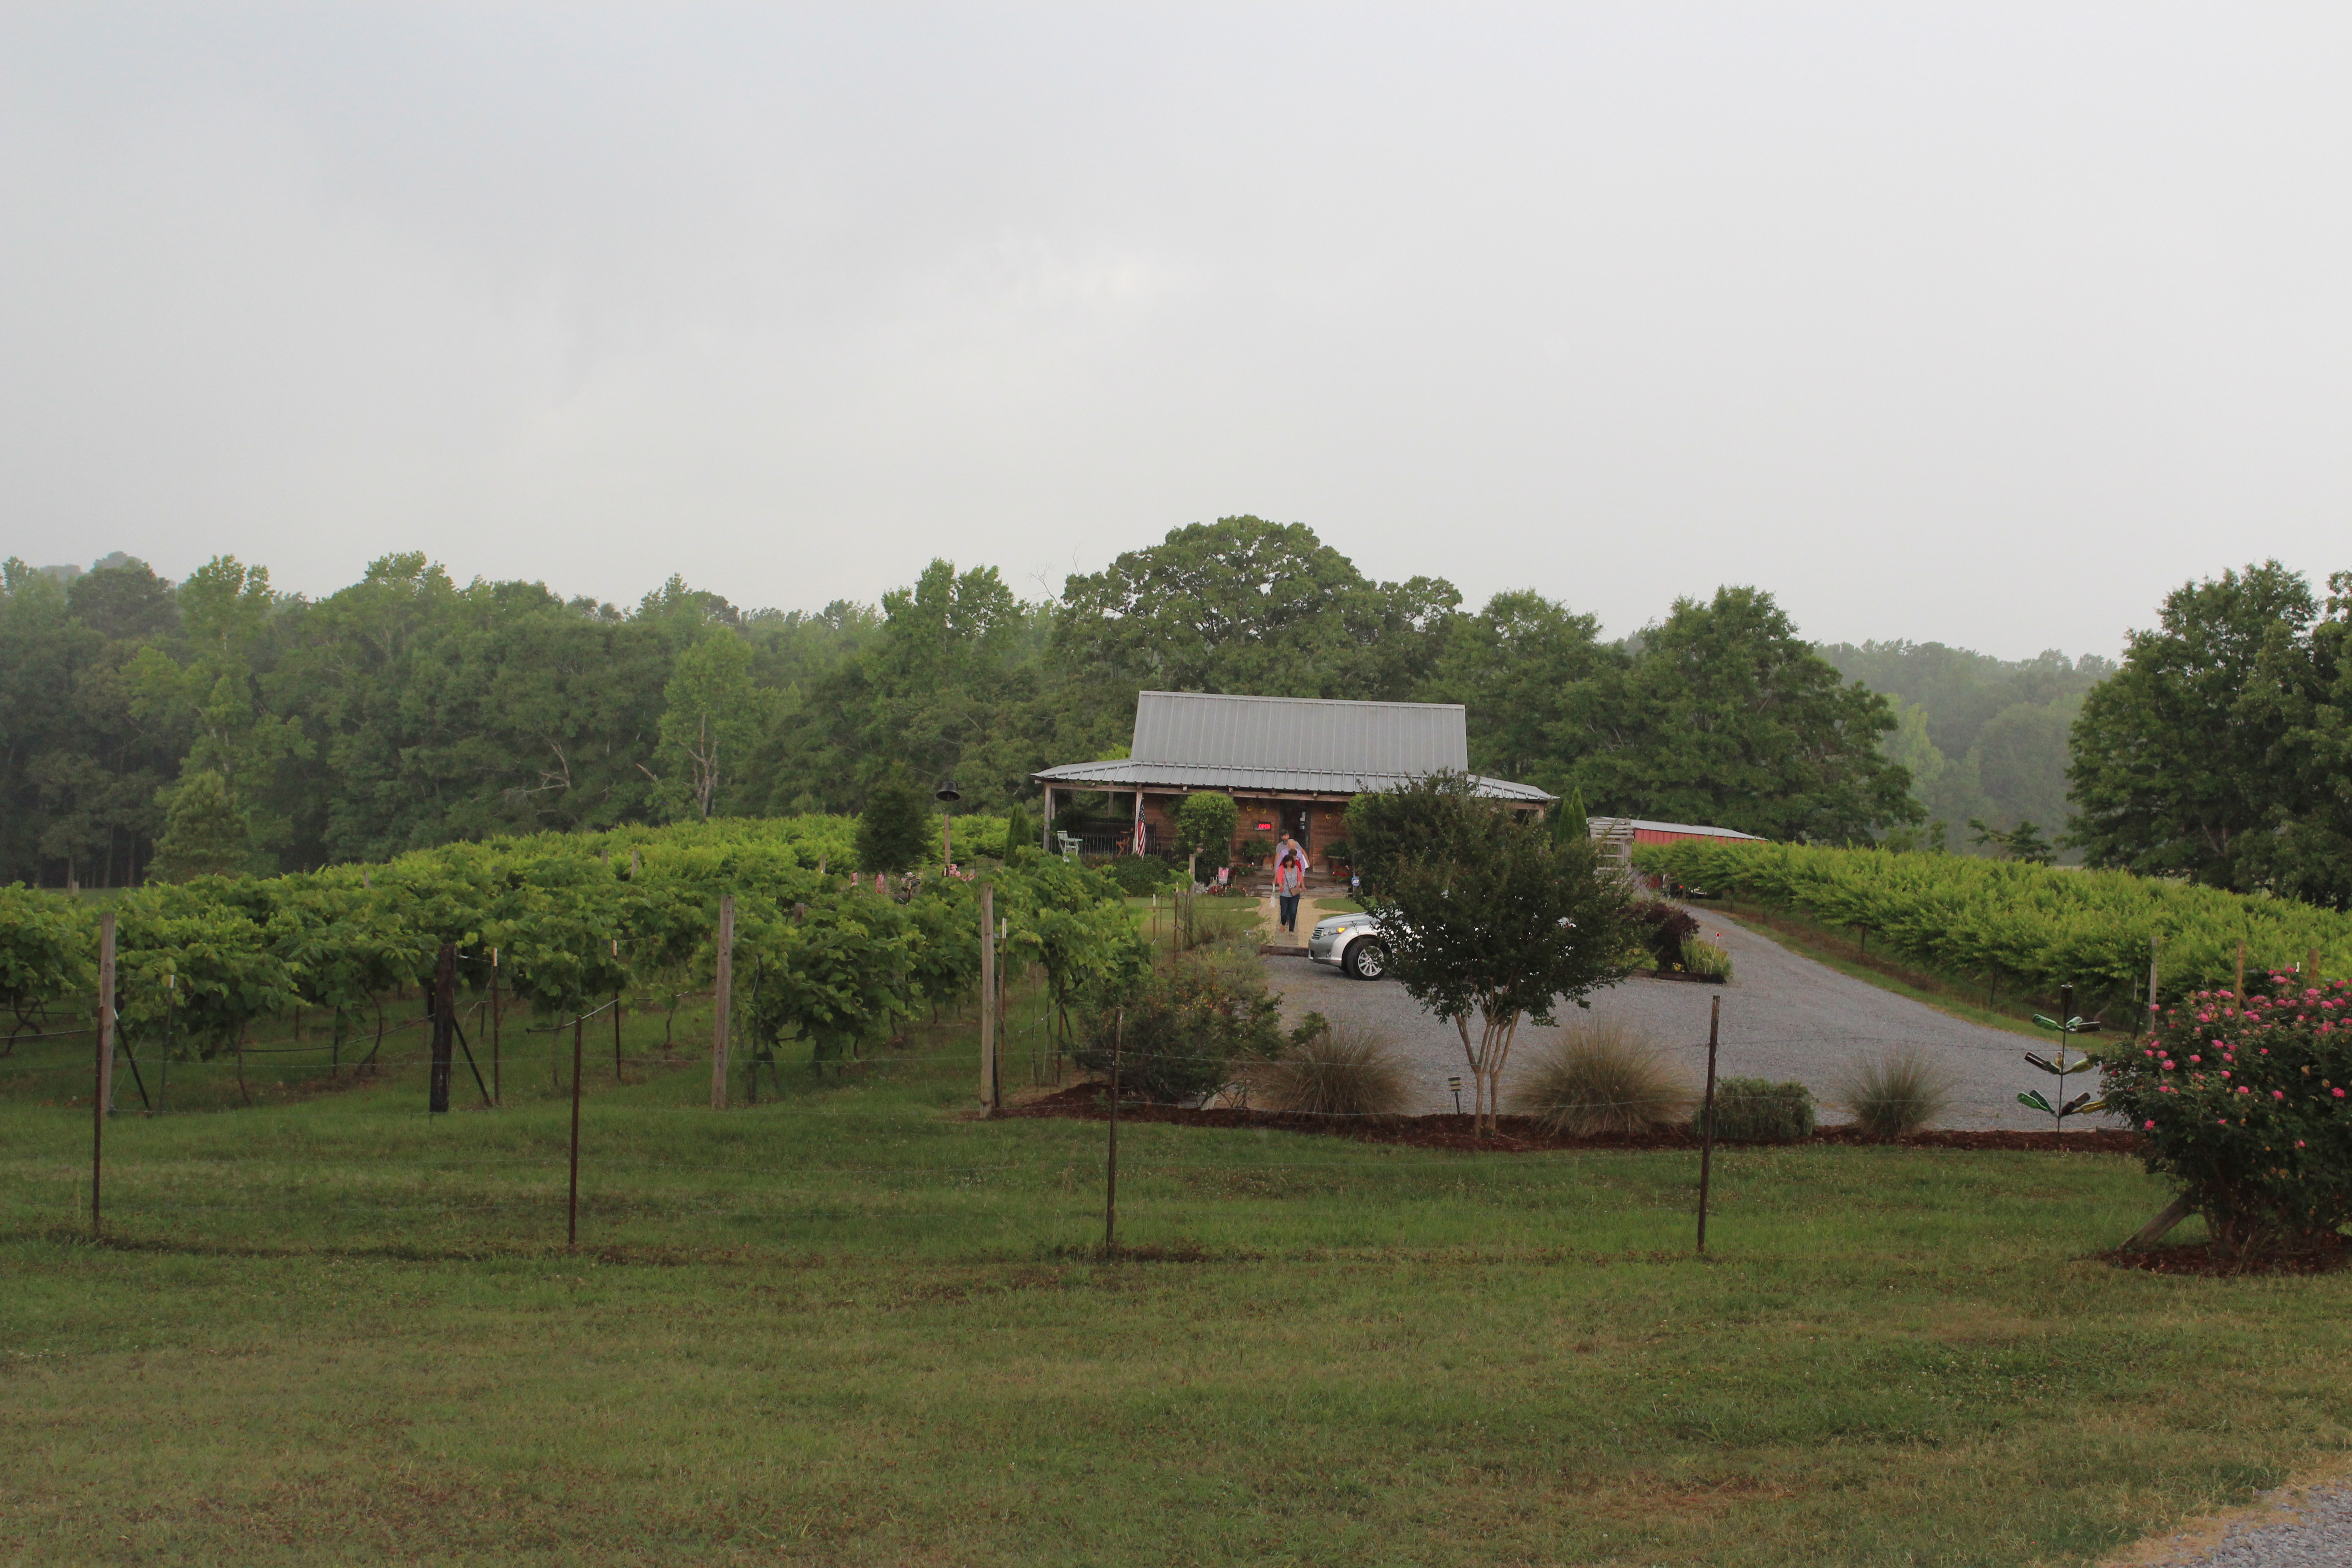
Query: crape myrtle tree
[1486, 916]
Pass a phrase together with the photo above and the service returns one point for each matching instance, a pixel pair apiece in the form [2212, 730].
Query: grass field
[853, 1325]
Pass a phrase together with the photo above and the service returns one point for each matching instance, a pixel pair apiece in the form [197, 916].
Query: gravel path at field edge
[2314, 1532]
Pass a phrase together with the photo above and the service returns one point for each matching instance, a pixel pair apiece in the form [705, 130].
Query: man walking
[1289, 877]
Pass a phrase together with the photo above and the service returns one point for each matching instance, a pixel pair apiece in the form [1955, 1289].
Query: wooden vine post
[445, 1024]
[498, 1089]
[1707, 1119]
[571, 1202]
[1110, 1158]
[722, 995]
[105, 1075]
[989, 1097]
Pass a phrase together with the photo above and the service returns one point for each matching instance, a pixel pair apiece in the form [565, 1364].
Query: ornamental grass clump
[1757, 1110]
[2244, 1104]
[1896, 1093]
[1602, 1076]
[1337, 1070]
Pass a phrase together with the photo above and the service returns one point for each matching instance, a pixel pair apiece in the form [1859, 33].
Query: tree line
[219, 722]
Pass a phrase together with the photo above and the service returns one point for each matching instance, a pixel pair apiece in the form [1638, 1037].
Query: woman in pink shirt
[1289, 877]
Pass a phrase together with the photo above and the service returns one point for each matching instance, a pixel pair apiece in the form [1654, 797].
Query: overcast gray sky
[1982, 323]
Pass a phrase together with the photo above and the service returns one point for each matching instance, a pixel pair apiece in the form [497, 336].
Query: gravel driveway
[1783, 1017]
[2290, 1528]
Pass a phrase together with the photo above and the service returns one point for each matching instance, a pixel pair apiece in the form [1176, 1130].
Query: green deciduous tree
[2216, 752]
[1527, 671]
[1487, 917]
[1726, 717]
[1243, 605]
[226, 610]
[2309, 688]
[711, 719]
[1204, 825]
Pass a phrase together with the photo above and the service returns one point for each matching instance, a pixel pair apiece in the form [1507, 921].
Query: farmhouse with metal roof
[1291, 764]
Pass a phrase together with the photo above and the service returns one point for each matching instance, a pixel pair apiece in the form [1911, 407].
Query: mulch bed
[2202, 1257]
[1522, 1135]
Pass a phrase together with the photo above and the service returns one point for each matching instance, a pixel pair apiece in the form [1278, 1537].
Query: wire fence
[623, 1189]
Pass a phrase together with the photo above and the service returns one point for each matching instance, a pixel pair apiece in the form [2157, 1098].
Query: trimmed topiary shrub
[894, 831]
[2244, 1104]
[1757, 1110]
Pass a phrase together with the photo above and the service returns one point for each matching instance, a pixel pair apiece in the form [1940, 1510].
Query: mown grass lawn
[852, 1326]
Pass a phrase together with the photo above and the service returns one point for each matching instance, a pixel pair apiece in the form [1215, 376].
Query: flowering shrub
[2244, 1102]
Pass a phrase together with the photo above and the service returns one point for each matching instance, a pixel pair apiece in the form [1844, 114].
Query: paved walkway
[1783, 1017]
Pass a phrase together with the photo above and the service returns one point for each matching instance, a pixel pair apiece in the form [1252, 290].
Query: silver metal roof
[1398, 740]
[1127, 773]
[1602, 825]
[1193, 739]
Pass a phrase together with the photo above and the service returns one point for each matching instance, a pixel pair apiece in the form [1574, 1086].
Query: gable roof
[1389, 739]
[1199, 740]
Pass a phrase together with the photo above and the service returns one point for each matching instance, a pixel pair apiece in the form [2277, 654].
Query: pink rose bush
[2242, 1101]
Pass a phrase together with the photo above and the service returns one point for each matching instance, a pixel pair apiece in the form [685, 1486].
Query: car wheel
[1366, 959]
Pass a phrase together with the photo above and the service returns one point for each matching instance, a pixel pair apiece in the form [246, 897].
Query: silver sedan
[1353, 943]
